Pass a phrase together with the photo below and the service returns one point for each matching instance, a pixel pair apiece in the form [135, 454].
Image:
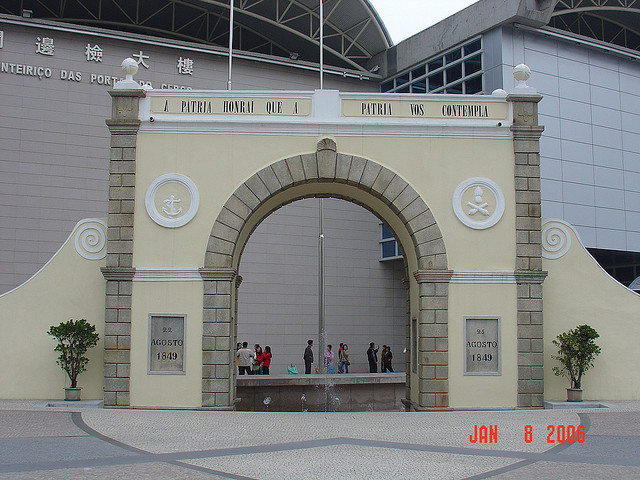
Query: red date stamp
[555, 434]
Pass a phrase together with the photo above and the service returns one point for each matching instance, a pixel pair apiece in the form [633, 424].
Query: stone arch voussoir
[327, 165]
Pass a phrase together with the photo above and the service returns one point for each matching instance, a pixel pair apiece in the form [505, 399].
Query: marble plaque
[482, 346]
[166, 344]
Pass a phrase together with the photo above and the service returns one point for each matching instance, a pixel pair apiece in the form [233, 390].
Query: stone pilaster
[220, 292]
[406, 283]
[119, 271]
[529, 274]
[433, 337]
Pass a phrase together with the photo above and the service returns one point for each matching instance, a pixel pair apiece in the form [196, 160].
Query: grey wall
[54, 142]
[590, 149]
[278, 298]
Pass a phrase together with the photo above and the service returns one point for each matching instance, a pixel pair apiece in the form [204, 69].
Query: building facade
[584, 57]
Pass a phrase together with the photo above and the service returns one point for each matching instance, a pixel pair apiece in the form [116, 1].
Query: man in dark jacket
[308, 357]
[372, 356]
[386, 361]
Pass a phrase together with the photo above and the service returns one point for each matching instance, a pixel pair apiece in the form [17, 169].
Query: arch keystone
[327, 144]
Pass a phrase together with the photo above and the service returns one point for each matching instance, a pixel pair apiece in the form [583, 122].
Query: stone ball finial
[129, 66]
[522, 73]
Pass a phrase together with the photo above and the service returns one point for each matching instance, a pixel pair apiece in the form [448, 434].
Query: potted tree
[577, 350]
[74, 338]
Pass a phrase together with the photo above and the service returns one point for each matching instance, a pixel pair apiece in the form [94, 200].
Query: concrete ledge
[73, 404]
[319, 379]
[574, 405]
[321, 393]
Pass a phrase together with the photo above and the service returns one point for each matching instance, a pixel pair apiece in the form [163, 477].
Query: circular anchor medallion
[172, 200]
[478, 203]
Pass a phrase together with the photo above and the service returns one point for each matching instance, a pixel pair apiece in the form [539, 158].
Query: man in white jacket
[245, 356]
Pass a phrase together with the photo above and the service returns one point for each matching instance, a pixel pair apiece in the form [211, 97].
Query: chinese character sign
[141, 58]
[93, 54]
[185, 66]
[44, 46]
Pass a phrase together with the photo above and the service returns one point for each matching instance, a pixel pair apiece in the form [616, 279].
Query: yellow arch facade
[456, 179]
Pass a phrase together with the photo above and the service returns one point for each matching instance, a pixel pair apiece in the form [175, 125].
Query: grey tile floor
[39, 442]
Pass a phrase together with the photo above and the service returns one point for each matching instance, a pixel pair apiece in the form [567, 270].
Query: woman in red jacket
[265, 360]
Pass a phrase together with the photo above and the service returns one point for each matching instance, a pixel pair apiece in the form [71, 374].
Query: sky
[404, 18]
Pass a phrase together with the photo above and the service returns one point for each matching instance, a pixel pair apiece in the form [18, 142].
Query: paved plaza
[40, 442]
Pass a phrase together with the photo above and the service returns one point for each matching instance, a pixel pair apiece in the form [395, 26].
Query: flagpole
[321, 44]
[230, 42]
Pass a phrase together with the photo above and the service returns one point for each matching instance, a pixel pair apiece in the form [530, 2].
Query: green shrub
[74, 338]
[577, 350]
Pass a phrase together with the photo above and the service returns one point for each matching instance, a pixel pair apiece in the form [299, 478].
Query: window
[473, 65]
[402, 79]
[419, 87]
[418, 72]
[389, 249]
[386, 86]
[458, 70]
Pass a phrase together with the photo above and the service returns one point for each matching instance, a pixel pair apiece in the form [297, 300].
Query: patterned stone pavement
[38, 442]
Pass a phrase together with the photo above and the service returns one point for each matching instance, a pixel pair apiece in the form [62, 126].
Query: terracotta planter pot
[574, 395]
[72, 394]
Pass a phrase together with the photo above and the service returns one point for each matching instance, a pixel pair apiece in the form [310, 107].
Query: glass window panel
[473, 85]
[453, 56]
[457, 88]
[386, 86]
[435, 64]
[386, 233]
[389, 249]
[419, 87]
[436, 81]
[625, 275]
[418, 72]
[404, 89]
[402, 79]
[454, 73]
[473, 65]
[472, 47]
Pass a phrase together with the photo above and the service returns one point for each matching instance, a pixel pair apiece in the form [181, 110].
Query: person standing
[387, 360]
[238, 347]
[256, 368]
[343, 357]
[265, 360]
[308, 357]
[245, 356]
[383, 361]
[328, 360]
[339, 363]
[372, 356]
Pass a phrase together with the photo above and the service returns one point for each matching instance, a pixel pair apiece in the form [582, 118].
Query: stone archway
[243, 211]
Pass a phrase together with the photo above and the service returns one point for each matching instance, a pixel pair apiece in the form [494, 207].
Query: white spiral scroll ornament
[556, 239]
[91, 239]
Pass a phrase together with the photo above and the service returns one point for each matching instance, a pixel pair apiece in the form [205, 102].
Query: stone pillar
[529, 275]
[119, 271]
[433, 338]
[220, 292]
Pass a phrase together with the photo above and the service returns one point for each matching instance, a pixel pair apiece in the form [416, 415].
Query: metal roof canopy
[612, 21]
[353, 31]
